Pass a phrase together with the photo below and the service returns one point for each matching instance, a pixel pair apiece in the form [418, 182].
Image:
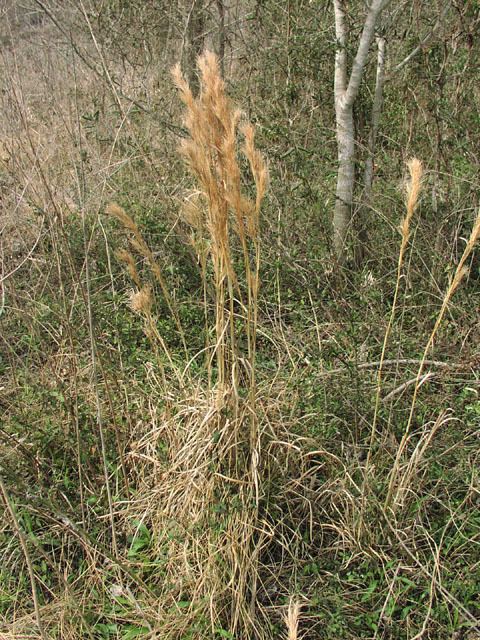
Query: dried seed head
[211, 153]
[126, 257]
[141, 301]
[193, 210]
[413, 187]
[291, 618]
[475, 234]
[415, 169]
[115, 210]
[460, 274]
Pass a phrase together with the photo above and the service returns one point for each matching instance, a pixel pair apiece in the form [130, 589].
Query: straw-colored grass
[204, 502]
[219, 211]
[292, 617]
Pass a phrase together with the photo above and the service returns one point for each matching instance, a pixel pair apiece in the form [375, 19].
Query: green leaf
[106, 630]
[132, 631]
[407, 581]
[369, 591]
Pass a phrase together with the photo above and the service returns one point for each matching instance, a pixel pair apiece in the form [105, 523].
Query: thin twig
[423, 43]
[407, 384]
[434, 580]
[394, 362]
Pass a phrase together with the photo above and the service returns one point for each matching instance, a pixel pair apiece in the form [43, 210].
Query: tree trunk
[346, 92]
[361, 248]
[345, 179]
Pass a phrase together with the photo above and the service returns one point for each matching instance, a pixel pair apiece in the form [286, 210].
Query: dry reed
[413, 188]
[397, 485]
[217, 209]
[204, 505]
[139, 244]
[292, 618]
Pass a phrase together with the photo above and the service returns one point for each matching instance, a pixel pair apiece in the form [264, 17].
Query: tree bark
[361, 248]
[346, 91]
[345, 180]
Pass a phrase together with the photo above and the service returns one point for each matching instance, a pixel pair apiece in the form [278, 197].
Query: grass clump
[204, 503]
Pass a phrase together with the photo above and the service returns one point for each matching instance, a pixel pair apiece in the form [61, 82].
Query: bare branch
[366, 38]
[408, 383]
[422, 43]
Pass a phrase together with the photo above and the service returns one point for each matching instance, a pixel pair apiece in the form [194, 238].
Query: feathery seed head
[415, 169]
[257, 164]
[475, 234]
[115, 210]
[126, 257]
[141, 301]
[192, 210]
[211, 154]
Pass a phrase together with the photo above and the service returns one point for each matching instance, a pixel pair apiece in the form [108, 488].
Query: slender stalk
[458, 276]
[415, 169]
[372, 142]
[99, 414]
[28, 560]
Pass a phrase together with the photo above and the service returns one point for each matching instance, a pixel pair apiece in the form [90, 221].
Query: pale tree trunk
[346, 91]
[345, 180]
[371, 148]
[376, 115]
